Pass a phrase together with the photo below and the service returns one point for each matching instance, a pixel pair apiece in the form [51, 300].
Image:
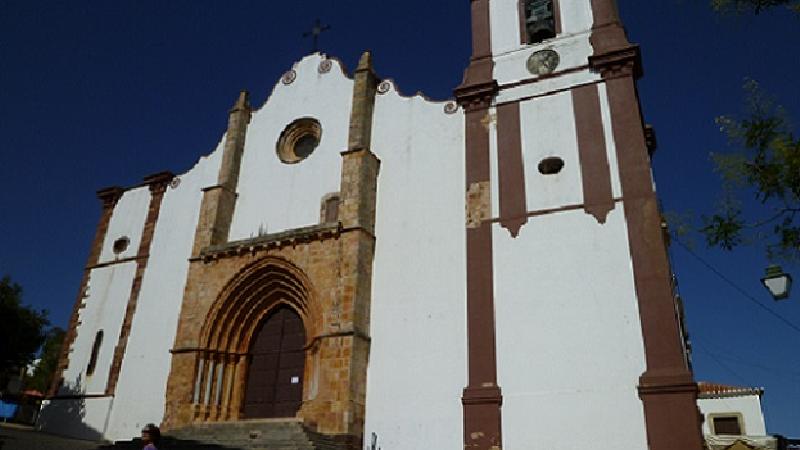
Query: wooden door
[275, 376]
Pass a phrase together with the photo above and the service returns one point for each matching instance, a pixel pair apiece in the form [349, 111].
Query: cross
[315, 32]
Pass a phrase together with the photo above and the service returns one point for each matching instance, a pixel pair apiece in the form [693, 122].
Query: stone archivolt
[250, 296]
[232, 321]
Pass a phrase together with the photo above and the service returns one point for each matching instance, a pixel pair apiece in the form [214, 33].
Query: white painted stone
[611, 146]
[576, 16]
[127, 220]
[494, 170]
[548, 130]
[548, 86]
[569, 339]
[417, 362]
[274, 196]
[573, 51]
[107, 295]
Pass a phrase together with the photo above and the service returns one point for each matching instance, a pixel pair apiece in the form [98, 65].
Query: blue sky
[97, 93]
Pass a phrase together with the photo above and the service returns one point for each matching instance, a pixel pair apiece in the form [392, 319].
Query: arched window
[540, 20]
[98, 339]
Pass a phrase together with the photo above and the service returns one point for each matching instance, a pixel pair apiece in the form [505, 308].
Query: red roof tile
[711, 390]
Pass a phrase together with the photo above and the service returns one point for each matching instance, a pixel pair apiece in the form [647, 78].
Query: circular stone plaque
[543, 62]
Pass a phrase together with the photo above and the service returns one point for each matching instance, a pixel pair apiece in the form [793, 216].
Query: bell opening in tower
[540, 20]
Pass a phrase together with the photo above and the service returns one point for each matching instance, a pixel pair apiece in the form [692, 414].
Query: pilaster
[667, 387]
[358, 193]
[609, 40]
[482, 397]
[219, 201]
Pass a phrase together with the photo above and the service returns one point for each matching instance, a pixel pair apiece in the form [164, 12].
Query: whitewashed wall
[141, 389]
[274, 196]
[107, 295]
[417, 366]
[749, 406]
[140, 392]
[127, 220]
[569, 340]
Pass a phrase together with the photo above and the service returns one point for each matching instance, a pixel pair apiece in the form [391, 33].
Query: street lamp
[777, 282]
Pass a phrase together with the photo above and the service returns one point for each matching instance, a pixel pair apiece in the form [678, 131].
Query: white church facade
[484, 273]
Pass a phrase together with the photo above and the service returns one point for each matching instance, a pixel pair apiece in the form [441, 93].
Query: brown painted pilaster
[482, 397]
[667, 388]
[109, 198]
[511, 171]
[595, 173]
[479, 76]
[158, 185]
[608, 35]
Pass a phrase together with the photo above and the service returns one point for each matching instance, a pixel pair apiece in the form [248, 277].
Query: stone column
[357, 246]
[219, 201]
[216, 214]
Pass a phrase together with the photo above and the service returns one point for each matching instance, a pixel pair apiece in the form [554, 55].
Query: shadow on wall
[66, 415]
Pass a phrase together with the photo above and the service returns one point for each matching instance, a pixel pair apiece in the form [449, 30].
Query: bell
[540, 21]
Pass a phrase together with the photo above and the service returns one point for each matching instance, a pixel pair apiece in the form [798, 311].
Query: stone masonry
[323, 271]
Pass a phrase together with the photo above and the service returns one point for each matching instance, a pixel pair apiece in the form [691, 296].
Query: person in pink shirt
[150, 436]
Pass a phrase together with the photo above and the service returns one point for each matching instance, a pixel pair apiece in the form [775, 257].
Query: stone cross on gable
[315, 33]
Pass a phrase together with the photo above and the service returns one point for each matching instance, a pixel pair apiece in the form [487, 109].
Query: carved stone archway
[230, 326]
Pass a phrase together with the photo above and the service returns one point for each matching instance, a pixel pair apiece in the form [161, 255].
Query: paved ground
[15, 437]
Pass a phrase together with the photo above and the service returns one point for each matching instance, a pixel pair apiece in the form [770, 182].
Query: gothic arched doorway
[277, 361]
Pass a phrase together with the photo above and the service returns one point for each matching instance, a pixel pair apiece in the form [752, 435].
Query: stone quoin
[394, 272]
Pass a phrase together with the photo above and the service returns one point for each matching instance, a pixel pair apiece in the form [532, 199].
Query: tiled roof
[715, 390]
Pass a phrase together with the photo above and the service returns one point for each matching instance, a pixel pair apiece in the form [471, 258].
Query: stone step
[251, 442]
[244, 435]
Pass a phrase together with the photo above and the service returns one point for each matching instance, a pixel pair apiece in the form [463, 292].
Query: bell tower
[571, 317]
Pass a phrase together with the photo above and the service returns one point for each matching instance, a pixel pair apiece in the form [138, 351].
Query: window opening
[332, 209]
[540, 20]
[727, 425]
[299, 140]
[121, 244]
[551, 165]
[98, 339]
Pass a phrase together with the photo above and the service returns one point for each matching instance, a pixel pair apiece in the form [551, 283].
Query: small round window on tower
[299, 140]
[121, 244]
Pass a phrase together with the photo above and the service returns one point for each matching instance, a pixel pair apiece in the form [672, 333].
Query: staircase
[284, 434]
